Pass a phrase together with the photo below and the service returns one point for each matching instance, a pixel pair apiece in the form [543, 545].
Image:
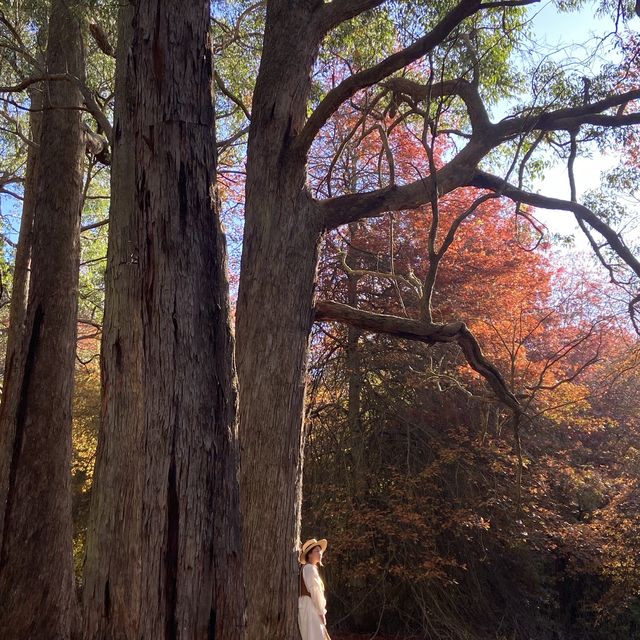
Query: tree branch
[464, 89]
[90, 102]
[570, 118]
[27, 82]
[485, 180]
[412, 282]
[506, 3]
[94, 225]
[486, 136]
[427, 332]
[221, 85]
[336, 12]
[94, 109]
[350, 208]
[101, 39]
[347, 88]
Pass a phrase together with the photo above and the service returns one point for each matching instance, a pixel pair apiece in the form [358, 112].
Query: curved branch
[569, 118]
[336, 12]
[350, 208]
[485, 180]
[347, 88]
[461, 171]
[427, 332]
[27, 82]
[237, 101]
[464, 89]
[413, 283]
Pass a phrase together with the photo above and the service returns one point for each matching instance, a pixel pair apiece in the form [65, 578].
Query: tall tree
[284, 225]
[20, 284]
[163, 542]
[36, 566]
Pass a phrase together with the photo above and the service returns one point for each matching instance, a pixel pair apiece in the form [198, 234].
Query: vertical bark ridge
[21, 413]
[171, 555]
[274, 316]
[164, 528]
[37, 573]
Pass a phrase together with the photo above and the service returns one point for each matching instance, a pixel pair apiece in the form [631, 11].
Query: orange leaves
[431, 493]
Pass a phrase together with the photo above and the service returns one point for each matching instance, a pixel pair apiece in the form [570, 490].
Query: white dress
[310, 609]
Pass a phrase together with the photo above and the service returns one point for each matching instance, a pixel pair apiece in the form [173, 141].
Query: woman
[311, 603]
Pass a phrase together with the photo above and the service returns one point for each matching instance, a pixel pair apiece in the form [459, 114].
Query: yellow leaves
[86, 417]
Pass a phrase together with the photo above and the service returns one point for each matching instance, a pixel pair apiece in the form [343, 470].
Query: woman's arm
[314, 585]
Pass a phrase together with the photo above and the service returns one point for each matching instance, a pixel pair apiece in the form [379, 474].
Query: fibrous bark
[163, 550]
[37, 588]
[274, 318]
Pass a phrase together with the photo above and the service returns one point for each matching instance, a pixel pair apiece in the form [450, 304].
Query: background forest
[449, 514]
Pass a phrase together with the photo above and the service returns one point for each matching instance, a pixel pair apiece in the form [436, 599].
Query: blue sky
[565, 32]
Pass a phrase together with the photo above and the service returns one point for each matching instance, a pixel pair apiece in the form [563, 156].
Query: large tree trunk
[37, 589]
[164, 547]
[274, 317]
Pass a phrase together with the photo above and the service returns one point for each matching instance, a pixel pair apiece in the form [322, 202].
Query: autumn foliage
[445, 518]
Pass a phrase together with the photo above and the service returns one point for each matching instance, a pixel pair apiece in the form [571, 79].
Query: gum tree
[284, 226]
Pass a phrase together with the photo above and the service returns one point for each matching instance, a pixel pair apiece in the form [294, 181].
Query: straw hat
[308, 545]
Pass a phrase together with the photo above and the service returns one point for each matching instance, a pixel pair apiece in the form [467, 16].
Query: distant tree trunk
[354, 373]
[20, 284]
[164, 546]
[37, 589]
[274, 317]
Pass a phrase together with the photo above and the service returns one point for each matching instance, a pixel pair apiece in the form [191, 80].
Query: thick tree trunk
[164, 546]
[274, 317]
[37, 588]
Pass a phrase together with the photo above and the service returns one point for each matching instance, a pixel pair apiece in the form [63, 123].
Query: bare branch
[90, 322]
[94, 109]
[90, 102]
[485, 180]
[349, 208]
[227, 142]
[633, 313]
[20, 47]
[427, 332]
[462, 169]
[101, 39]
[27, 82]
[94, 225]
[413, 283]
[221, 85]
[353, 207]
[507, 3]
[570, 118]
[466, 90]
